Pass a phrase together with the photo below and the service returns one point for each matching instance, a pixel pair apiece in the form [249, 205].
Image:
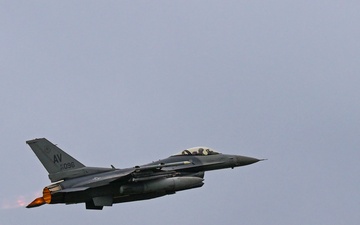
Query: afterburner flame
[46, 198]
[47, 195]
[14, 202]
[37, 202]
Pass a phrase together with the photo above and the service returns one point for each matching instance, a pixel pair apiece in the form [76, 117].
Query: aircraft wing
[107, 178]
[127, 174]
[76, 189]
[160, 166]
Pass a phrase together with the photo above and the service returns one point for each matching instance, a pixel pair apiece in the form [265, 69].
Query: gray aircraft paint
[98, 187]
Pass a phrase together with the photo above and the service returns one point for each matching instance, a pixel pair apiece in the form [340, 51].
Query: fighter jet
[73, 182]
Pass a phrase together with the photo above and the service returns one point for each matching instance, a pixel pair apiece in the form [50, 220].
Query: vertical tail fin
[53, 158]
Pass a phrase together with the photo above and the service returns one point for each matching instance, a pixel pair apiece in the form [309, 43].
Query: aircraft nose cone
[244, 160]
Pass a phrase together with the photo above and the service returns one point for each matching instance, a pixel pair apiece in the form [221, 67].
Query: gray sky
[129, 82]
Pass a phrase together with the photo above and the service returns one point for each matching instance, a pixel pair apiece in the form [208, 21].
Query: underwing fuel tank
[172, 184]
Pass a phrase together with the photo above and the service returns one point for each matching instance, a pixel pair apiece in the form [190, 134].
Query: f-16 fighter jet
[73, 182]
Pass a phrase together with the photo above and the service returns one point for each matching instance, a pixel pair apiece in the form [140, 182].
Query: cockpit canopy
[198, 151]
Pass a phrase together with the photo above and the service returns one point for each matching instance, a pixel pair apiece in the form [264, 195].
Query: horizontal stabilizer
[68, 190]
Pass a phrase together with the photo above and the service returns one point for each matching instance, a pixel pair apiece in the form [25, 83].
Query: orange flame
[16, 201]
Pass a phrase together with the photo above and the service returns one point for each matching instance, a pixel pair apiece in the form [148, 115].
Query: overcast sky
[129, 82]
